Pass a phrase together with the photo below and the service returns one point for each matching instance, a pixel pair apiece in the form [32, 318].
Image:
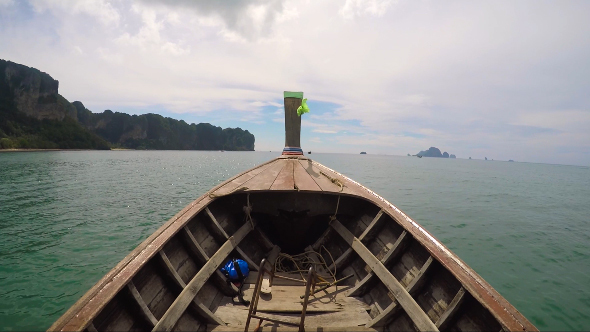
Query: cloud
[100, 9]
[496, 78]
[352, 8]
[249, 19]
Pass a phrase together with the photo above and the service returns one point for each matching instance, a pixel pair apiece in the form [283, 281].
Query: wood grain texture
[218, 278]
[145, 311]
[412, 288]
[418, 316]
[190, 291]
[391, 255]
[303, 181]
[285, 179]
[199, 307]
[343, 258]
[321, 180]
[452, 309]
[245, 257]
[264, 180]
[241, 179]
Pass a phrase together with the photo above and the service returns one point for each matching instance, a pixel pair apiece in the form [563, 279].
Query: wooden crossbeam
[91, 327]
[343, 258]
[452, 309]
[391, 255]
[416, 314]
[199, 307]
[412, 288]
[253, 266]
[228, 289]
[145, 311]
[192, 288]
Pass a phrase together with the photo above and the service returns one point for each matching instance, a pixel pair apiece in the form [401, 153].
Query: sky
[496, 79]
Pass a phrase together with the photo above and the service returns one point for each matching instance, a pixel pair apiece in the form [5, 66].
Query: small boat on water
[324, 253]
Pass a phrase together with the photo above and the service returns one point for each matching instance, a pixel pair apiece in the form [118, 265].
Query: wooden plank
[264, 180]
[340, 260]
[285, 179]
[393, 253]
[241, 180]
[418, 316]
[91, 303]
[273, 254]
[412, 288]
[251, 263]
[91, 327]
[145, 311]
[321, 180]
[416, 283]
[190, 291]
[218, 278]
[304, 181]
[199, 307]
[452, 309]
[170, 269]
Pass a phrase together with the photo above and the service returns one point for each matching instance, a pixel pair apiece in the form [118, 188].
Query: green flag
[303, 108]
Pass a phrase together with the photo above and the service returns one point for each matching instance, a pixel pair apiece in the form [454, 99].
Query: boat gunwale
[115, 274]
[506, 314]
[470, 280]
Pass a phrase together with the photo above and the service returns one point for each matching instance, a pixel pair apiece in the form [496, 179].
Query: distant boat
[419, 156]
[363, 152]
[308, 152]
[392, 274]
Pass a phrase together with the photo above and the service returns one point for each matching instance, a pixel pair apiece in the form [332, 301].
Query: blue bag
[230, 272]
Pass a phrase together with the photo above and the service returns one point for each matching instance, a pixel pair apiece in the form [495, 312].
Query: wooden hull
[402, 277]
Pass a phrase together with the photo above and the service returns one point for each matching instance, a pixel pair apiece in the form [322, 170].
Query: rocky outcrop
[34, 92]
[28, 96]
[431, 152]
[435, 152]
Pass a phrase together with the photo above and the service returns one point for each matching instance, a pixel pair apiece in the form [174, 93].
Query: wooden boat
[398, 276]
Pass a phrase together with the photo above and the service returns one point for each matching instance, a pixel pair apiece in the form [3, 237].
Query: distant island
[435, 152]
[33, 115]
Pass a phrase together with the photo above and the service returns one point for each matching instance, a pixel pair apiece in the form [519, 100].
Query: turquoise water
[66, 218]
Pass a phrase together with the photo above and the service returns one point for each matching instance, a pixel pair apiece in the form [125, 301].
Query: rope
[247, 210]
[333, 217]
[300, 263]
[334, 180]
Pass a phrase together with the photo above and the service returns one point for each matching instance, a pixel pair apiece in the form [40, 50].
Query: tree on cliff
[34, 115]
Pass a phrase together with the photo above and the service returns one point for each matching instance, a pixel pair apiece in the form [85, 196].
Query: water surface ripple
[66, 218]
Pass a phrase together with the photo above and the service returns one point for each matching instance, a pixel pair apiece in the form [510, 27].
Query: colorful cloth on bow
[303, 108]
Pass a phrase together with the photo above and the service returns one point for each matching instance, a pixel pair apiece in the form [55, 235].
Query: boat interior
[390, 281]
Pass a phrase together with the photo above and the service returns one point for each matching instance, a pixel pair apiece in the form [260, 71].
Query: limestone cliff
[435, 152]
[34, 115]
[34, 92]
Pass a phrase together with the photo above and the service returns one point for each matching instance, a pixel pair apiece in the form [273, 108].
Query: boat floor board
[327, 308]
[285, 180]
[240, 181]
[303, 181]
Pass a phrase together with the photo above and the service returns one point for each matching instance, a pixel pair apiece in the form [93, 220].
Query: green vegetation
[37, 125]
[153, 131]
[19, 131]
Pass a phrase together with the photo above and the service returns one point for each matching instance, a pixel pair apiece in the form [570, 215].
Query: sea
[67, 217]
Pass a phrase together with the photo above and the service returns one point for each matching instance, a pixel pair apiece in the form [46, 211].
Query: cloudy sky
[497, 79]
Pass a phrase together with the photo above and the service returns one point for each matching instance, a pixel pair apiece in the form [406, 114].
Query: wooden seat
[252, 312]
